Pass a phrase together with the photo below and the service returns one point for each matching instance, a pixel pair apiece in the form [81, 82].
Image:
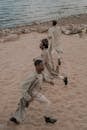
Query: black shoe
[14, 120]
[65, 80]
[59, 62]
[50, 120]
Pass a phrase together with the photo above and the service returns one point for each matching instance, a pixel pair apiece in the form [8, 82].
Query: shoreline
[69, 104]
[40, 27]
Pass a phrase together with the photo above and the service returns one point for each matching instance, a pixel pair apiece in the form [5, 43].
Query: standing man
[54, 34]
[45, 54]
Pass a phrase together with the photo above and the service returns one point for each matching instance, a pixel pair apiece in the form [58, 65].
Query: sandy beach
[16, 64]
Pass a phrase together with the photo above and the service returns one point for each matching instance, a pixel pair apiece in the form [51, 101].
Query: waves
[16, 12]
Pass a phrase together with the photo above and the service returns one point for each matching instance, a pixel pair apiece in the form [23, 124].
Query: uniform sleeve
[46, 78]
[29, 87]
[34, 84]
[59, 29]
[49, 33]
[25, 84]
[50, 47]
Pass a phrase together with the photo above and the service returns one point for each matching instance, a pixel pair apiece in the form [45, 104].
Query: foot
[65, 80]
[50, 120]
[59, 62]
[13, 119]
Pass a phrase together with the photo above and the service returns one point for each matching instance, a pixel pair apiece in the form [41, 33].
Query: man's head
[39, 65]
[44, 44]
[54, 22]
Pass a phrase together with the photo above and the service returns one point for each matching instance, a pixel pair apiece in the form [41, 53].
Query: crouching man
[31, 92]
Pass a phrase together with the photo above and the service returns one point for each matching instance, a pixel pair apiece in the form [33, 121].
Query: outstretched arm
[47, 79]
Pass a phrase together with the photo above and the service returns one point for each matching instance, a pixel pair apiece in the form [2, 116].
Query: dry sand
[69, 103]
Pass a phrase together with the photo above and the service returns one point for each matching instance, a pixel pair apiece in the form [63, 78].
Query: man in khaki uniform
[48, 61]
[31, 91]
[54, 34]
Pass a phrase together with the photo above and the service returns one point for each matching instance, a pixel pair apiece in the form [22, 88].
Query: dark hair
[54, 22]
[37, 62]
[45, 43]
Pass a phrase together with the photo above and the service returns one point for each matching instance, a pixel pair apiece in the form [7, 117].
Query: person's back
[45, 51]
[54, 34]
[47, 58]
[32, 84]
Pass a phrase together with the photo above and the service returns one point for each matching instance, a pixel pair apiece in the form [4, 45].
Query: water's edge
[42, 27]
